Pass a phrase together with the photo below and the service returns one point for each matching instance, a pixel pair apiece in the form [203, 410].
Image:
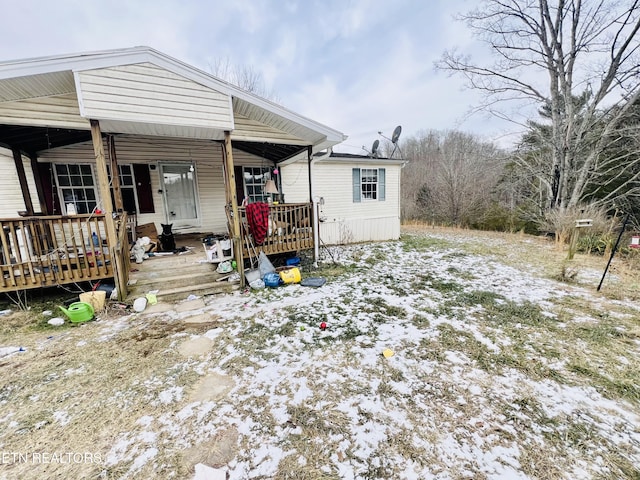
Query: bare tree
[577, 58]
[450, 177]
[243, 76]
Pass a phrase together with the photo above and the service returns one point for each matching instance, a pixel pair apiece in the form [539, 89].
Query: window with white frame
[127, 187]
[76, 188]
[369, 184]
[255, 179]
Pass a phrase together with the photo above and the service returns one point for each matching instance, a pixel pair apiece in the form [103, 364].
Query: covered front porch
[189, 163]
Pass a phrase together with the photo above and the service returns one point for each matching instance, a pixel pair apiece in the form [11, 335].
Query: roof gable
[112, 102]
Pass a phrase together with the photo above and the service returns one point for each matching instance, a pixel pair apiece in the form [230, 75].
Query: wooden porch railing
[54, 250]
[290, 229]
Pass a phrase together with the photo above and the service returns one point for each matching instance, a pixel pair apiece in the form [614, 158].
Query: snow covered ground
[496, 372]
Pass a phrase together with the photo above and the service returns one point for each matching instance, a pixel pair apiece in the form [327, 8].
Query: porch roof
[48, 101]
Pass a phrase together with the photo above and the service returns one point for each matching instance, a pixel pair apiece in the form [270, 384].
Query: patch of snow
[62, 417]
[8, 351]
[173, 394]
[205, 472]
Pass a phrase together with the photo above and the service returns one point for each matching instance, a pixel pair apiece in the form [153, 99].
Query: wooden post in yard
[231, 182]
[105, 195]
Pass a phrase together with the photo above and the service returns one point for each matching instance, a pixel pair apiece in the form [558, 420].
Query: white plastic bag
[265, 265]
[224, 267]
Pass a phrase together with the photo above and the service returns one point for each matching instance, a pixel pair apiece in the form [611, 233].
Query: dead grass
[87, 387]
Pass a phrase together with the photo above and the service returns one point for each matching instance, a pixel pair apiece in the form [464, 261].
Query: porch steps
[181, 293]
[176, 277]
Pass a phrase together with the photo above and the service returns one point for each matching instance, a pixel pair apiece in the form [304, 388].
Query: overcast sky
[359, 66]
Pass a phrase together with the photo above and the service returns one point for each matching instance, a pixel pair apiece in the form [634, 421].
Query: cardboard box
[147, 230]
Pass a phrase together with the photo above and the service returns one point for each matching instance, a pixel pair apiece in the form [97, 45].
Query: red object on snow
[258, 220]
[323, 326]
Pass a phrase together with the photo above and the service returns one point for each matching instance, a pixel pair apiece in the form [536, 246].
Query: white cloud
[359, 66]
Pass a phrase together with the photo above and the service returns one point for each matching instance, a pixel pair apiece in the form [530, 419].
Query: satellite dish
[374, 148]
[396, 134]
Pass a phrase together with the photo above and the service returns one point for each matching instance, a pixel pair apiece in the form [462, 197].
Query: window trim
[358, 184]
[133, 185]
[94, 187]
[373, 191]
[60, 188]
[264, 197]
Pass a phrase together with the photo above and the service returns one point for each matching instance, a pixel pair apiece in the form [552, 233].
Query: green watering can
[78, 312]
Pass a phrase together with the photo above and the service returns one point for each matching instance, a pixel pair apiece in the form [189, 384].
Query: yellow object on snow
[388, 353]
[290, 275]
[151, 298]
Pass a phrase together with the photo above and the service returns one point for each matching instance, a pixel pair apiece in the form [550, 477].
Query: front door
[179, 192]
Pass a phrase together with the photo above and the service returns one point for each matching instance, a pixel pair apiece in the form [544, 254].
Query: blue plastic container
[271, 280]
[295, 261]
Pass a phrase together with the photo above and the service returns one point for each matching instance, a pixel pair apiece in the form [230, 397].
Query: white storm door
[180, 195]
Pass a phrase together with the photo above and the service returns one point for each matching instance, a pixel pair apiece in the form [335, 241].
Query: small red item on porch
[98, 211]
[323, 326]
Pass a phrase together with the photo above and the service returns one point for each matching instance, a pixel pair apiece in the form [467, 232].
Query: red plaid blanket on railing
[258, 221]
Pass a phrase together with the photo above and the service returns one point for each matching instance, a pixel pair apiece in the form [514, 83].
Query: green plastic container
[78, 312]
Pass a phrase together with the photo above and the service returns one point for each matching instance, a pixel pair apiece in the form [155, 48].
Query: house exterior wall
[11, 201]
[346, 221]
[146, 93]
[56, 111]
[206, 157]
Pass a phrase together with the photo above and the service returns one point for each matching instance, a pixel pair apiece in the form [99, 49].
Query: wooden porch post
[314, 212]
[309, 158]
[39, 187]
[231, 185]
[115, 174]
[105, 195]
[22, 178]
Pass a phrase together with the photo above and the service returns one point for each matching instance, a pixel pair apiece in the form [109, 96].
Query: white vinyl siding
[58, 111]
[295, 182]
[12, 201]
[149, 94]
[344, 220]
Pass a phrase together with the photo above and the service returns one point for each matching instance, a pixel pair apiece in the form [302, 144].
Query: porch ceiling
[35, 139]
[270, 151]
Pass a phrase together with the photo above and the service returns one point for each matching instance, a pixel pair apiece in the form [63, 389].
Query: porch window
[127, 188]
[76, 187]
[254, 181]
[369, 184]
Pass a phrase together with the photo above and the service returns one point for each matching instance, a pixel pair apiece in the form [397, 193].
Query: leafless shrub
[562, 222]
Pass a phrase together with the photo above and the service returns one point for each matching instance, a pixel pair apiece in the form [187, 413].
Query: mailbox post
[575, 233]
